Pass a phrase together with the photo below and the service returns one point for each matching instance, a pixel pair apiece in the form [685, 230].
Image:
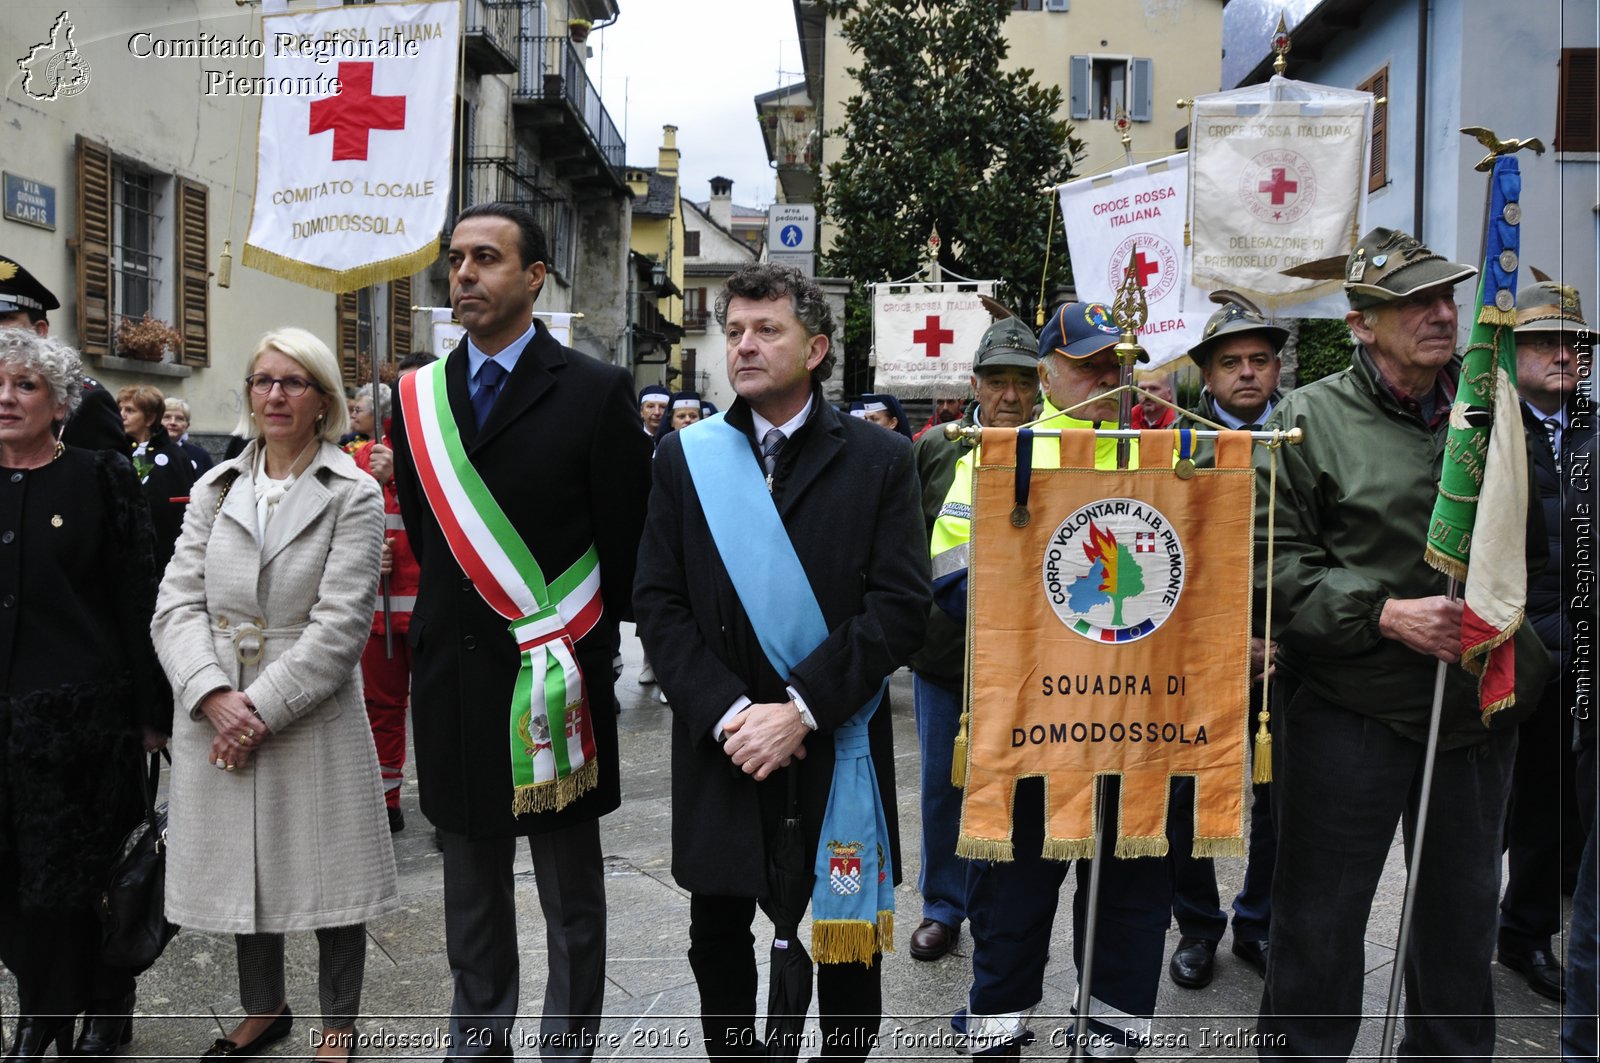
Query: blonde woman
[277, 818]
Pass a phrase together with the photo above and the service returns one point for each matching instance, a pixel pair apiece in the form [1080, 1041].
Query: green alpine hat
[1389, 265]
[1549, 307]
[1007, 342]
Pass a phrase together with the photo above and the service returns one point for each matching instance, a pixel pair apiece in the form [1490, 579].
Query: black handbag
[133, 922]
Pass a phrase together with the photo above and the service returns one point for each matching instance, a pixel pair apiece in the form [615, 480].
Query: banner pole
[377, 434]
[1414, 863]
[1130, 311]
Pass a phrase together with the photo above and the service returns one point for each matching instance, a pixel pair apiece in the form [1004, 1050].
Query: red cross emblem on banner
[932, 336]
[1147, 268]
[356, 112]
[1280, 186]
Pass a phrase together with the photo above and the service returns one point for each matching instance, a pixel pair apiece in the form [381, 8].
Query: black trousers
[722, 956]
[1541, 821]
[55, 956]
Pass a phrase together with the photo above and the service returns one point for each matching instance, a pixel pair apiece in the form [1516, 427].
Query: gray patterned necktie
[771, 444]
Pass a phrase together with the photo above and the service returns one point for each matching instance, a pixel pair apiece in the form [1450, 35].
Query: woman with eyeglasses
[277, 819]
[81, 692]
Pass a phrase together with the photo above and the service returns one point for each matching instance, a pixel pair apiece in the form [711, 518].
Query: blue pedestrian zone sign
[792, 235]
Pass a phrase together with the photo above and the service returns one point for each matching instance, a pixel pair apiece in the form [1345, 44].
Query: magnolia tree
[938, 134]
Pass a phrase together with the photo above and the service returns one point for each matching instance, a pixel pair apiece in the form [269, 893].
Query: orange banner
[1108, 634]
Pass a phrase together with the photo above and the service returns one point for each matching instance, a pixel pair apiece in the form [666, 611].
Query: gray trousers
[481, 941]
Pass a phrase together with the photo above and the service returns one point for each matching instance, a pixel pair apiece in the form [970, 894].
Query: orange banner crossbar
[1109, 634]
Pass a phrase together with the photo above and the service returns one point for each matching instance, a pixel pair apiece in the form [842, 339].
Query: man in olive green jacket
[1361, 621]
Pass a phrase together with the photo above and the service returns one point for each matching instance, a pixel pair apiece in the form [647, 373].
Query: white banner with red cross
[1279, 179]
[1137, 214]
[353, 153]
[924, 336]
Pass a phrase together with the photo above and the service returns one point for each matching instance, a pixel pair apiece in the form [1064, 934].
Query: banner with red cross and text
[1278, 179]
[354, 146]
[1137, 213]
[924, 336]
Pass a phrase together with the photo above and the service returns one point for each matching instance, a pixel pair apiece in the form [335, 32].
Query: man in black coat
[1543, 816]
[846, 493]
[553, 435]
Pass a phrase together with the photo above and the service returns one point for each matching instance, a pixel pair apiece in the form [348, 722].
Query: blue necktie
[490, 374]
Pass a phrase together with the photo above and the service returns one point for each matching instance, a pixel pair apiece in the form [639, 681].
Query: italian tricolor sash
[551, 737]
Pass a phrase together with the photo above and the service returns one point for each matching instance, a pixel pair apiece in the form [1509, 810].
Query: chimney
[721, 206]
[668, 161]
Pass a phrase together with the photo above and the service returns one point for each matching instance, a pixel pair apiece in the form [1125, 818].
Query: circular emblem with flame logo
[1113, 570]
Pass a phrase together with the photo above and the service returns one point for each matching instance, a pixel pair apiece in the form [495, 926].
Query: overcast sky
[698, 65]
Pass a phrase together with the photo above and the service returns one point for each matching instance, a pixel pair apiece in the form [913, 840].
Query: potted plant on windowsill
[147, 339]
[578, 29]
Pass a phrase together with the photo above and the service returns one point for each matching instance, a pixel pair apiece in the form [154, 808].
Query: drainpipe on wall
[1422, 120]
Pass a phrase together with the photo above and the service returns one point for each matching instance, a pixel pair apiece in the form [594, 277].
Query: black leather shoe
[397, 821]
[1194, 963]
[932, 939]
[35, 1035]
[106, 1028]
[1543, 973]
[281, 1027]
[1253, 953]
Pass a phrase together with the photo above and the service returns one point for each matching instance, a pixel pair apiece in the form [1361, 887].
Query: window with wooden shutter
[399, 319]
[1078, 86]
[1378, 169]
[348, 309]
[1578, 100]
[194, 278]
[95, 326]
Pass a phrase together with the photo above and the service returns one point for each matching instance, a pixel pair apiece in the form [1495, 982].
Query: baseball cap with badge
[1007, 342]
[1237, 315]
[1389, 265]
[19, 291]
[1079, 330]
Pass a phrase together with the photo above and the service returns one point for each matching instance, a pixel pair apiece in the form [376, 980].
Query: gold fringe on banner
[557, 794]
[1217, 847]
[958, 757]
[844, 940]
[1443, 562]
[348, 280]
[1068, 848]
[1493, 315]
[994, 849]
[1143, 845]
[886, 930]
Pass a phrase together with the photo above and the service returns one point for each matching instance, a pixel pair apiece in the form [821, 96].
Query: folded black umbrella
[789, 883]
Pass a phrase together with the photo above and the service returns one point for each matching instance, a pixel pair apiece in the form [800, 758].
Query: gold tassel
[958, 757]
[1493, 315]
[998, 850]
[1127, 848]
[1261, 766]
[557, 794]
[1217, 847]
[886, 930]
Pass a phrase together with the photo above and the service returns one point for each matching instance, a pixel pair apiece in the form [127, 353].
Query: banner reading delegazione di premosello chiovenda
[354, 147]
[1109, 635]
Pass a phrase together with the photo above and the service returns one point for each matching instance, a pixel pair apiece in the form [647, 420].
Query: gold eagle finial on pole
[1498, 147]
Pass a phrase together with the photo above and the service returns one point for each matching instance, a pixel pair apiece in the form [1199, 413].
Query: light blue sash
[852, 902]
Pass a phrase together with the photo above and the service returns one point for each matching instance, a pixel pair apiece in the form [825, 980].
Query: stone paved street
[651, 1002]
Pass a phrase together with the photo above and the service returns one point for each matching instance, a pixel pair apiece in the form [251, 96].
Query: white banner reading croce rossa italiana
[1279, 179]
[925, 334]
[1136, 214]
[353, 159]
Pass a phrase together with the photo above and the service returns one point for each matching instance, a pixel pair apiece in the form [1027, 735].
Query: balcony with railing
[497, 180]
[556, 99]
[490, 33]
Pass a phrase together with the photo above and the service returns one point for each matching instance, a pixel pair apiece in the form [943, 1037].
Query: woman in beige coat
[277, 819]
